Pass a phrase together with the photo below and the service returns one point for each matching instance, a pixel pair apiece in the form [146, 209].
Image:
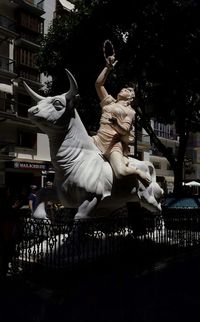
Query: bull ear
[33, 94]
[73, 90]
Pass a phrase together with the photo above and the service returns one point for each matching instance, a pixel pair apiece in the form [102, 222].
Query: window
[24, 103]
[169, 166]
[26, 57]
[157, 165]
[162, 130]
[27, 139]
[31, 22]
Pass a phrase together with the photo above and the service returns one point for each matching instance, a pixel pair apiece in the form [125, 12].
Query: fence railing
[62, 243]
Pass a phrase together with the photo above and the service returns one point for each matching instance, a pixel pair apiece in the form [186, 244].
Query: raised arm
[101, 79]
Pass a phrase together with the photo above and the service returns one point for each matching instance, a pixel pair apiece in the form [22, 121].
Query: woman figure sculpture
[116, 121]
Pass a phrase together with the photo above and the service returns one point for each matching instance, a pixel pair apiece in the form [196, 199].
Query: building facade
[192, 158]
[24, 151]
[144, 150]
[167, 134]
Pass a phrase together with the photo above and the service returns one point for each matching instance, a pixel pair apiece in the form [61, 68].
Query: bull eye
[58, 105]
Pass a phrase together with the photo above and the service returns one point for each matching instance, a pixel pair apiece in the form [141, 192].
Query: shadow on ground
[144, 289]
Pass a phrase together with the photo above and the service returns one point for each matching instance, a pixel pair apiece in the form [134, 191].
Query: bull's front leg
[40, 211]
[42, 197]
[77, 234]
[85, 208]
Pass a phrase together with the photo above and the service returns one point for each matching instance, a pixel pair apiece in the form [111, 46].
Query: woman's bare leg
[120, 169]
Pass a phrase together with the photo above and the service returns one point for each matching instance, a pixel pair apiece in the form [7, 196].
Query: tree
[157, 47]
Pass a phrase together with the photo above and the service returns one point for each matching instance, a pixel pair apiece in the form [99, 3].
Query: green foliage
[156, 43]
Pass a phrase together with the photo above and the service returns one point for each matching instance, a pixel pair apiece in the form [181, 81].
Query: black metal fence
[64, 243]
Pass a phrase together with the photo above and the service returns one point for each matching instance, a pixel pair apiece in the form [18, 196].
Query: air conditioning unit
[12, 154]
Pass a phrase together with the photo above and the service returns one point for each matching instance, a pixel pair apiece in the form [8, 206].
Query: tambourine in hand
[110, 60]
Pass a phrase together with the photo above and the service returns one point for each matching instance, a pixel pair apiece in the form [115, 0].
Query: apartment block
[24, 151]
[143, 149]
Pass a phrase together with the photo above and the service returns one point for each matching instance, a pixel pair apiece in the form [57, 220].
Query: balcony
[29, 41]
[13, 118]
[7, 66]
[6, 104]
[12, 111]
[31, 75]
[36, 3]
[7, 151]
[34, 6]
[8, 27]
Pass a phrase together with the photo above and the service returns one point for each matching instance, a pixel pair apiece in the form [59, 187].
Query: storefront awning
[188, 203]
[192, 184]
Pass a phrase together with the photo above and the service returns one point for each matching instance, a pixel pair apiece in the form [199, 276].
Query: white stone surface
[83, 178]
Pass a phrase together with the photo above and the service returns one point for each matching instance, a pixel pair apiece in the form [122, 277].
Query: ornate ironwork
[60, 243]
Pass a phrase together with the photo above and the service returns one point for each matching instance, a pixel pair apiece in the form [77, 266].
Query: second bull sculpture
[84, 179]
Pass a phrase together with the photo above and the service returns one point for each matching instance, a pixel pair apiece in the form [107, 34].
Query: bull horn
[73, 90]
[34, 95]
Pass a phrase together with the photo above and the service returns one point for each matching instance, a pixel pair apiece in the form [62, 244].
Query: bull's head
[53, 111]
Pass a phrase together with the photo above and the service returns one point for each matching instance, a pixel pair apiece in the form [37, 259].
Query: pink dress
[110, 138]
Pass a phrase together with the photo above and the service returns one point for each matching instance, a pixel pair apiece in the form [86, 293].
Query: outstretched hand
[111, 62]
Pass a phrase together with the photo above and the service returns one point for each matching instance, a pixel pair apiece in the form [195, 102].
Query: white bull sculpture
[84, 179]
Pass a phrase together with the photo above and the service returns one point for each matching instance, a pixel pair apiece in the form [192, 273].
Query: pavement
[118, 289]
